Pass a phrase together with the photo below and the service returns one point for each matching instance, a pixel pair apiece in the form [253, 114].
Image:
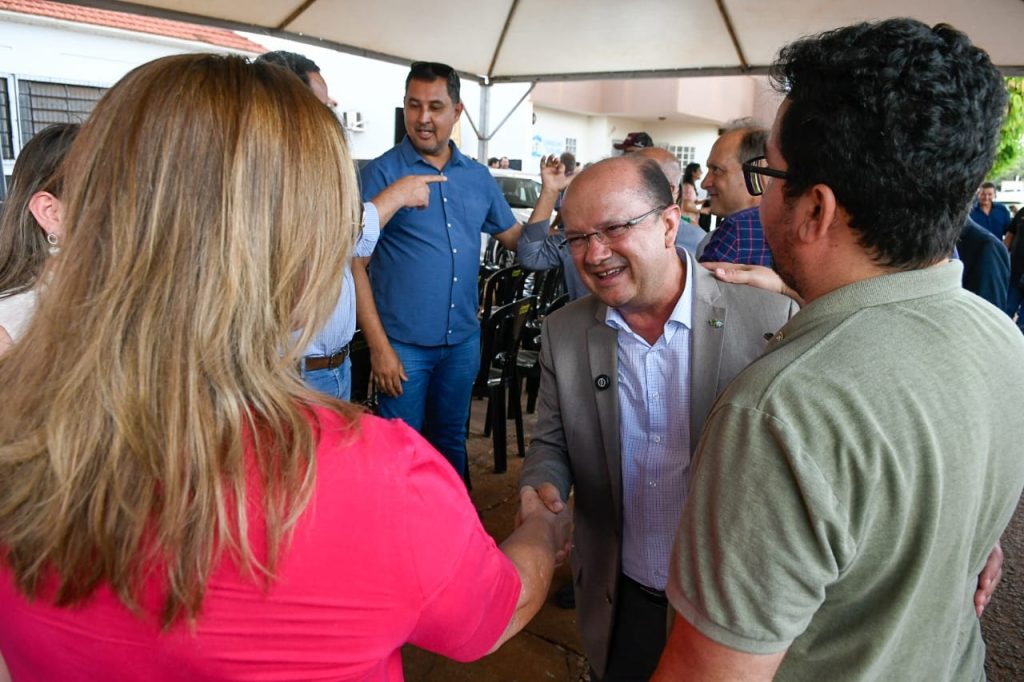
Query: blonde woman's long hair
[154, 401]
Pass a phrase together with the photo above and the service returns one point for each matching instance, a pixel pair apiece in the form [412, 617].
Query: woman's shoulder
[369, 446]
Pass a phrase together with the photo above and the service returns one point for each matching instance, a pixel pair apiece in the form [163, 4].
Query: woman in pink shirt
[175, 504]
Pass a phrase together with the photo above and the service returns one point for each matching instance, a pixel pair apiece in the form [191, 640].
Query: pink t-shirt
[389, 551]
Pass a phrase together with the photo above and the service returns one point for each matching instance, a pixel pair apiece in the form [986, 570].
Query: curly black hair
[901, 121]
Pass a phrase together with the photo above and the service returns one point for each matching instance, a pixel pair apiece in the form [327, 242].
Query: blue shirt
[654, 434]
[997, 220]
[341, 325]
[739, 239]
[424, 269]
[986, 264]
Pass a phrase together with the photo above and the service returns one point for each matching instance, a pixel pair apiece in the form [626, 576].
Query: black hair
[988, 185]
[901, 121]
[298, 64]
[688, 172]
[431, 71]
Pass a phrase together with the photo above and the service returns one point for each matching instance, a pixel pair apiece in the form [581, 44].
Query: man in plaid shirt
[739, 238]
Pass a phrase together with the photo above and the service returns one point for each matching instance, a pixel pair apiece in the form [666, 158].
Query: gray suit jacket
[575, 442]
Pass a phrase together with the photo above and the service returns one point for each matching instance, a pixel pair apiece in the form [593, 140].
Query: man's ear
[817, 213]
[48, 212]
[458, 110]
[671, 216]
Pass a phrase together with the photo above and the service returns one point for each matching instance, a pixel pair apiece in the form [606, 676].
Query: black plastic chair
[497, 256]
[362, 389]
[503, 287]
[528, 358]
[500, 338]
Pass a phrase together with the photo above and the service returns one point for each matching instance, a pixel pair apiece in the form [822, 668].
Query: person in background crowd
[1015, 292]
[986, 263]
[503, 163]
[419, 313]
[176, 503]
[739, 238]
[835, 484]
[986, 212]
[493, 162]
[31, 227]
[633, 142]
[688, 193]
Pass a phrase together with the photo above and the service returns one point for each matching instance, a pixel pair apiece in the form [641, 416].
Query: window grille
[41, 104]
[6, 138]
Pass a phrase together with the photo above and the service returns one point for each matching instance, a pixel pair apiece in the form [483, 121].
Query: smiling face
[430, 117]
[986, 195]
[641, 270]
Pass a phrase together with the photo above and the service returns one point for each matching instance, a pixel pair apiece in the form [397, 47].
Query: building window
[684, 153]
[6, 136]
[41, 103]
[570, 145]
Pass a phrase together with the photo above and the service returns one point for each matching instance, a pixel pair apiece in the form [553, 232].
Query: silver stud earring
[54, 248]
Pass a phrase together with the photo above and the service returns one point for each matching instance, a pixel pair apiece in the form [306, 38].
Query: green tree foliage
[1011, 142]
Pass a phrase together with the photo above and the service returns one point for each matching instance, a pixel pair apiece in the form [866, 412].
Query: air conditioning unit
[352, 120]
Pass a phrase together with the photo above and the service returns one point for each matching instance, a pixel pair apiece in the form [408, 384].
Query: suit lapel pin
[602, 382]
[715, 324]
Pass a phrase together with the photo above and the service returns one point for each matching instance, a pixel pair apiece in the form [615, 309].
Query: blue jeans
[435, 399]
[335, 382]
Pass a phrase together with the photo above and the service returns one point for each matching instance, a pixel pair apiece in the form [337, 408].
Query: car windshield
[519, 192]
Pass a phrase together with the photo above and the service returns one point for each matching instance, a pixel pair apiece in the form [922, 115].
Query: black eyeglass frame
[754, 187]
[603, 235]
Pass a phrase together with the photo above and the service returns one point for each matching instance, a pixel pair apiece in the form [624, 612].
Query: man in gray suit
[628, 376]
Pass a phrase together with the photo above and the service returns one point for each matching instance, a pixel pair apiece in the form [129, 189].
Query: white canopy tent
[494, 41]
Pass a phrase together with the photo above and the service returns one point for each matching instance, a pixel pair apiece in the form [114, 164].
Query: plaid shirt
[739, 239]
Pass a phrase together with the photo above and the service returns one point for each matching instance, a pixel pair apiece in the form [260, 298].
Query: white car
[521, 191]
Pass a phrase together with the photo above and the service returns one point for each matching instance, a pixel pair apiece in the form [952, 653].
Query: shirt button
[657, 439]
[455, 279]
[445, 199]
[449, 331]
[449, 224]
[654, 484]
[655, 395]
[455, 250]
[453, 305]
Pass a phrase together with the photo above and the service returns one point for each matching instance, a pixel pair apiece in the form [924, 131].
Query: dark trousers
[638, 636]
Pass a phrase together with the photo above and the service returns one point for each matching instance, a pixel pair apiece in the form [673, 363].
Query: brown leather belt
[313, 363]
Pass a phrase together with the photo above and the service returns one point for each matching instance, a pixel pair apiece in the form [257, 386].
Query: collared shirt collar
[410, 156]
[682, 313]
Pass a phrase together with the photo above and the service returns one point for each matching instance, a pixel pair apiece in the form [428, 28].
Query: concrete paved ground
[550, 648]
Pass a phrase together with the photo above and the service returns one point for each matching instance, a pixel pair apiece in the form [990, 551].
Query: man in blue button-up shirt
[419, 315]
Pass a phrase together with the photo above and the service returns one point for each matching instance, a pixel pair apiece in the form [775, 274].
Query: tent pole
[484, 136]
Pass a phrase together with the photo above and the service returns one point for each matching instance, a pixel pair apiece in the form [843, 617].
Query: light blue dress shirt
[654, 433]
[341, 325]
